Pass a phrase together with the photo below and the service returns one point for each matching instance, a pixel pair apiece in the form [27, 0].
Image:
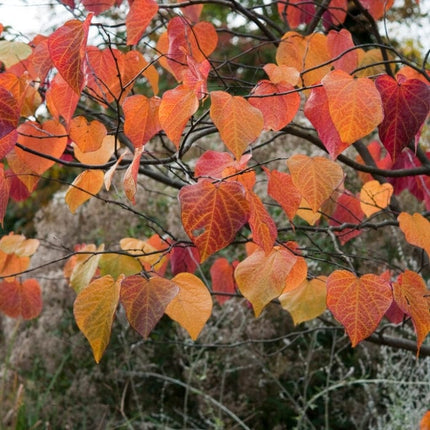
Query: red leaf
[222, 275]
[212, 214]
[358, 303]
[21, 299]
[263, 228]
[317, 112]
[67, 48]
[145, 301]
[138, 18]
[406, 105]
[348, 210]
[9, 113]
[141, 118]
[278, 110]
[98, 6]
[339, 42]
[296, 12]
[4, 193]
[412, 297]
[184, 259]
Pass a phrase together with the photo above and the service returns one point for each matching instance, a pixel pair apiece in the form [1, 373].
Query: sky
[33, 16]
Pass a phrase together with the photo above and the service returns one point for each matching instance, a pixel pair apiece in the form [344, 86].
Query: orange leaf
[67, 49]
[85, 186]
[9, 116]
[304, 52]
[263, 228]
[21, 299]
[374, 197]
[278, 184]
[19, 245]
[61, 100]
[261, 278]
[315, 177]
[416, 229]
[88, 136]
[222, 275]
[138, 18]
[307, 301]
[355, 105]
[99, 157]
[278, 110]
[299, 271]
[145, 301]
[130, 176]
[377, 8]
[94, 310]
[48, 139]
[358, 303]
[212, 214]
[175, 110]
[4, 194]
[425, 421]
[412, 297]
[141, 118]
[238, 122]
[282, 74]
[192, 307]
[134, 66]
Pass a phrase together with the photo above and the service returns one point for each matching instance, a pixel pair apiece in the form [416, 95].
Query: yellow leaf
[117, 264]
[13, 52]
[192, 307]
[374, 197]
[307, 301]
[99, 157]
[87, 184]
[261, 278]
[94, 310]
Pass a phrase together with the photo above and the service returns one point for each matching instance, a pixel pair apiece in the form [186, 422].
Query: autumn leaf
[85, 186]
[348, 210]
[282, 74]
[192, 306]
[299, 271]
[99, 157]
[358, 303]
[61, 100]
[355, 105]
[84, 266]
[176, 108]
[145, 301]
[416, 229]
[9, 117]
[4, 194]
[278, 109]
[130, 175]
[118, 264]
[305, 53]
[406, 105]
[18, 244]
[138, 18]
[412, 296]
[263, 228]
[306, 176]
[184, 259]
[281, 188]
[374, 197]
[12, 52]
[317, 112]
[48, 139]
[238, 122]
[212, 214]
[94, 310]
[377, 8]
[21, 299]
[223, 283]
[67, 49]
[339, 42]
[98, 6]
[307, 301]
[87, 135]
[141, 121]
[261, 278]
[296, 12]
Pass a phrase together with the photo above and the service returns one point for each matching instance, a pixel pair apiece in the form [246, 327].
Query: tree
[146, 94]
